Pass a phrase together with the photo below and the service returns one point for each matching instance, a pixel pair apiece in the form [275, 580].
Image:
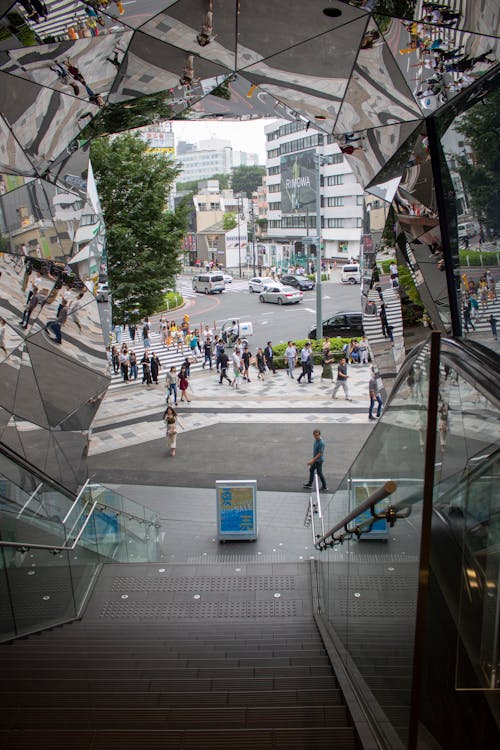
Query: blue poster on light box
[236, 509]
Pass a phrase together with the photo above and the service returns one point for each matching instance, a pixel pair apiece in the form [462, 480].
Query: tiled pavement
[132, 415]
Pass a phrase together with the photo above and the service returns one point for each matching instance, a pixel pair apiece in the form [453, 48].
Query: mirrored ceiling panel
[10, 182]
[43, 121]
[320, 67]
[288, 25]
[235, 97]
[151, 66]
[367, 151]
[199, 26]
[438, 61]
[70, 171]
[377, 92]
[76, 384]
[19, 282]
[398, 158]
[28, 403]
[28, 220]
[80, 68]
[35, 22]
[13, 160]
[82, 418]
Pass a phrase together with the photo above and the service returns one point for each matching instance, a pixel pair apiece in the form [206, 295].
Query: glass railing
[372, 584]
[52, 544]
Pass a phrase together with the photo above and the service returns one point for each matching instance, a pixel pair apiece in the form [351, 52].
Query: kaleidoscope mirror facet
[388, 81]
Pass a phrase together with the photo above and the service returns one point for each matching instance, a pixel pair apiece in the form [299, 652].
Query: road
[270, 322]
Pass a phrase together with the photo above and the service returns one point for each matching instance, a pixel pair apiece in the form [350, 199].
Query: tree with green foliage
[143, 237]
[229, 221]
[246, 179]
[481, 128]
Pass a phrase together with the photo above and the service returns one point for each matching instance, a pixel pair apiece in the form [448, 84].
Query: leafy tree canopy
[247, 179]
[143, 237]
[481, 128]
[192, 185]
[229, 221]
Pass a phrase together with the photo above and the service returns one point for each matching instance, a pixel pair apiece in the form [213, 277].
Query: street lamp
[239, 197]
[319, 291]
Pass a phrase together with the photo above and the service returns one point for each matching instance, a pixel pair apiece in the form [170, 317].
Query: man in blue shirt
[316, 462]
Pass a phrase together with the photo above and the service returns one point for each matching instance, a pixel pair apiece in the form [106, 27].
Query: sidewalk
[130, 417]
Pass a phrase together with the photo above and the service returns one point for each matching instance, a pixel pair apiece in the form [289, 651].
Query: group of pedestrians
[477, 297]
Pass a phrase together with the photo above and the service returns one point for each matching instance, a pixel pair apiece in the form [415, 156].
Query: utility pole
[239, 235]
[319, 291]
[252, 217]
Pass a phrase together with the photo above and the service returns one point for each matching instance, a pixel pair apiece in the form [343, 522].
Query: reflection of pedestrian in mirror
[207, 27]
[443, 425]
[188, 72]
[3, 331]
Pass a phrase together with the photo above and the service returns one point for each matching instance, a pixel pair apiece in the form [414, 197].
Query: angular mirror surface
[12, 157]
[64, 383]
[192, 26]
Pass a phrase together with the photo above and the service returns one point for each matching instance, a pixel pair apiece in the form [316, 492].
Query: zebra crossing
[481, 320]
[185, 287]
[168, 358]
[371, 322]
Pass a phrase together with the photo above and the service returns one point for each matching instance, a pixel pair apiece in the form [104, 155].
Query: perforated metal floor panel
[200, 610]
[204, 583]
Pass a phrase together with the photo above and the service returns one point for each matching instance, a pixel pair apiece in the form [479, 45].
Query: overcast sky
[244, 136]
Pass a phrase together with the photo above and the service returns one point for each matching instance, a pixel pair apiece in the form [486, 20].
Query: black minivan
[344, 324]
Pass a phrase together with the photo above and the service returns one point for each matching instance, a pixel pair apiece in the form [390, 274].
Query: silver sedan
[282, 295]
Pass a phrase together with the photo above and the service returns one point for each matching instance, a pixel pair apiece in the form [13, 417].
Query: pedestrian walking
[291, 358]
[467, 319]
[184, 384]
[172, 424]
[236, 368]
[132, 329]
[146, 368]
[363, 350]
[155, 365]
[269, 356]
[261, 364]
[124, 364]
[133, 365]
[223, 363]
[383, 320]
[493, 324]
[418, 376]
[342, 378]
[328, 361]
[246, 357]
[306, 363]
[145, 335]
[171, 384]
[207, 352]
[374, 395]
[316, 462]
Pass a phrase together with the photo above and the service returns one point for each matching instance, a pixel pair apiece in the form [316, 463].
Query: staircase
[179, 656]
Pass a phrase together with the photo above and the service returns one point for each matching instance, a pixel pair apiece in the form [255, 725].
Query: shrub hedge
[172, 300]
[336, 345]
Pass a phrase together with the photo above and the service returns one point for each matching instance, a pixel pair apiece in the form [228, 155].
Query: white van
[351, 274]
[209, 283]
[468, 229]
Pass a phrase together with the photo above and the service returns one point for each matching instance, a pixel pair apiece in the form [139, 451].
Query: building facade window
[359, 223]
[335, 223]
[302, 143]
[273, 152]
[360, 200]
[273, 170]
[274, 188]
[335, 179]
[335, 202]
[275, 206]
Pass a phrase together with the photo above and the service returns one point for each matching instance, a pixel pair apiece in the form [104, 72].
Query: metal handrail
[315, 510]
[28, 501]
[52, 547]
[369, 504]
[75, 501]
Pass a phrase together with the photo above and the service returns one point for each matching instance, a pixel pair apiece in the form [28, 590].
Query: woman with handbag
[172, 424]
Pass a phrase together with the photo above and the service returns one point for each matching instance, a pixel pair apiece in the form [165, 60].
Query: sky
[244, 136]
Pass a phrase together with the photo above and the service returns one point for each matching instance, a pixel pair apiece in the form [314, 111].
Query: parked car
[282, 295]
[299, 282]
[102, 294]
[258, 283]
[344, 324]
[208, 283]
[351, 274]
